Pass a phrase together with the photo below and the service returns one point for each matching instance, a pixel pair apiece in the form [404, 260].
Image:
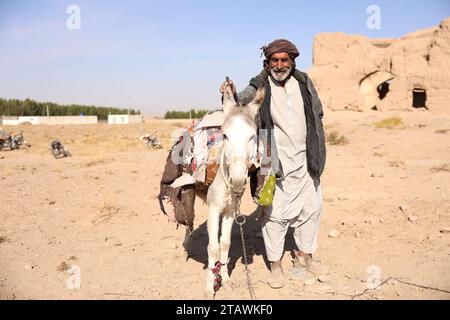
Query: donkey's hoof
[208, 295]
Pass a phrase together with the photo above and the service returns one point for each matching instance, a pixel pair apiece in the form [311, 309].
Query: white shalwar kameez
[296, 203]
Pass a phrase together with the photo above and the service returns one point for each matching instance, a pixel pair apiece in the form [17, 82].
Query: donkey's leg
[213, 247]
[225, 241]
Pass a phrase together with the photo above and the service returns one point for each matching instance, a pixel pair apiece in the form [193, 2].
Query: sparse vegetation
[389, 123]
[334, 138]
[194, 114]
[63, 267]
[106, 210]
[3, 239]
[98, 162]
[396, 164]
[442, 131]
[441, 168]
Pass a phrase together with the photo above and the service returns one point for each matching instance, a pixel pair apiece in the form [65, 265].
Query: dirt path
[97, 211]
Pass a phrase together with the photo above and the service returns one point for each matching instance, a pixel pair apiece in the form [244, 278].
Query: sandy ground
[97, 214]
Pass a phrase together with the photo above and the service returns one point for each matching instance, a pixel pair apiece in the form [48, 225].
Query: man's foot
[310, 264]
[276, 278]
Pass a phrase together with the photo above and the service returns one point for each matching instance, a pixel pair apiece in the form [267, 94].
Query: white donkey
[240, 138]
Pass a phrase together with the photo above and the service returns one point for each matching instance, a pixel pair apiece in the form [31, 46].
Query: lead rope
[241, 222]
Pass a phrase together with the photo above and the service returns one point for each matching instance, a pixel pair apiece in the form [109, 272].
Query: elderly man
[292, 116]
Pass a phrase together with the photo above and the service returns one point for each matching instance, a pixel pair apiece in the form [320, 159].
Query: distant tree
[28, 107]
[194, 114]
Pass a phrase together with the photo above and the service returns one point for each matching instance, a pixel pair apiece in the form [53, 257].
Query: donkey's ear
[229, 102]
[256, 103]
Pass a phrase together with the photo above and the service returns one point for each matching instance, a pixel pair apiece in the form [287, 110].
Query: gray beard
[280, 76]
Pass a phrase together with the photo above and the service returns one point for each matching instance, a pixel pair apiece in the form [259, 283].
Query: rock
[381, 220]
[358, 234]
[309, 282]
[445, 230]
[52, 202]
[412, 218]
[28, 267]
[324, 278]
[173, 245]
[334, 234]
[403, 208]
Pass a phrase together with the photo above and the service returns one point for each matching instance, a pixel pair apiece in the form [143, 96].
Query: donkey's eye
[224, 136]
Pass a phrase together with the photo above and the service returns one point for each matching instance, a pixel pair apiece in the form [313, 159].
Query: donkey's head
[240, 137]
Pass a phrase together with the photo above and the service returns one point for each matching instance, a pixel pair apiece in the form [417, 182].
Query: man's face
[280, 65]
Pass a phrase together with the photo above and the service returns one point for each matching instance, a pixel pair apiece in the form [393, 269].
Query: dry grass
[63, 267]
[106, 210]
[389, 123]
[179, 125]
[396, 164]
[442, 131]
[8, 171]
[3, 239]
[96, 162]
[441, 168]
[333, 138]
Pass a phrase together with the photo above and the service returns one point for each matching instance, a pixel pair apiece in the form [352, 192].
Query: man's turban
[281, 45]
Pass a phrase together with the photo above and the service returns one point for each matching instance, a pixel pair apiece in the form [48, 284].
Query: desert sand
[386, 213]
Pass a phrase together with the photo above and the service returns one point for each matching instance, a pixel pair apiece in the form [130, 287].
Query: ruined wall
[353, 72]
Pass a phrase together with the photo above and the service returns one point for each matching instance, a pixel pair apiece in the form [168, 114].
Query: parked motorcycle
[20, 140]
[8, 141]
[152, 141]
[58, 150]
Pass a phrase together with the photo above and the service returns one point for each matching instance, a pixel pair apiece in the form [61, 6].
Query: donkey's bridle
[235, 160]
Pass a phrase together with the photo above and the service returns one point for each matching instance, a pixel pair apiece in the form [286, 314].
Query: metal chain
[241, 223]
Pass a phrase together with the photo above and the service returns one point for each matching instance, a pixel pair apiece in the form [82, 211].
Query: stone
[324, 278]
[412, 218]
[173, 245]
[334, 233]
[445, 230]
[309, 282]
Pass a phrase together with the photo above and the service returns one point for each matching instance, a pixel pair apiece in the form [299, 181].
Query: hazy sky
[160, 55]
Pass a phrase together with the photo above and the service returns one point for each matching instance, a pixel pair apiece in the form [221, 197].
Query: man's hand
[225, 84]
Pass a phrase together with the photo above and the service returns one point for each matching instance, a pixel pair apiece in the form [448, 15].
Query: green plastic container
[267, 191]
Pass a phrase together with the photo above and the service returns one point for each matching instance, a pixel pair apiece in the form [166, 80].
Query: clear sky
[158, 55]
